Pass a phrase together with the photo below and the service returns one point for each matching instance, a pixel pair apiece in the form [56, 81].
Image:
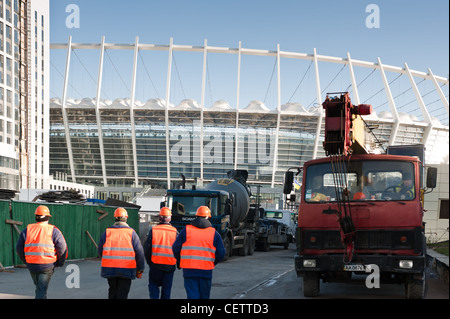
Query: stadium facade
[202, 143]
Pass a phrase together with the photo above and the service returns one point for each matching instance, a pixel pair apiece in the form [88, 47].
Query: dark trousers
[158, 278]
[197, 288]
[41, 281]
[118, 287]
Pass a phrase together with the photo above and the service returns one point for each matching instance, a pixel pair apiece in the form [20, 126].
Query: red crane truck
[359, 209]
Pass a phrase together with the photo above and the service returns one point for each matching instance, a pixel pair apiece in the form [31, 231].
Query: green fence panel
[6, 242]
[81, 226]
[91, 224]
[68, 218]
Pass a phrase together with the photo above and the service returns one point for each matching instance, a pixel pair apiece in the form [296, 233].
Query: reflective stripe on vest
[198, 252]
[118, 251]
[39, 246]
[163, 237]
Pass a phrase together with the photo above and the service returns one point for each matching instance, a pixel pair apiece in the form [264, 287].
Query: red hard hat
[165, 211]
[203, 211]
[120, 212]
[359, 196]
[42, 211]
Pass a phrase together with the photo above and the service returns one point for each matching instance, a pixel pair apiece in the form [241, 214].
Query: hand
[139, 274]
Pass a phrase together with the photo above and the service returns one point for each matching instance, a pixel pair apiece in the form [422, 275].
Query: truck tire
[265, 244]
[244, 250]
[415, 288]
[227, 246]
[311, 284]
[286, 244]
[251, 244]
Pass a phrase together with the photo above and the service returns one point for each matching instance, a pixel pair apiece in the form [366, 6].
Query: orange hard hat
[120, 212]
[42, 211]
[359, 196]
[203, 211]
[165, 211]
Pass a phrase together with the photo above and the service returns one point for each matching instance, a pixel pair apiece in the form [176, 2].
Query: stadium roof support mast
[238, 88]
[97, 112]
[132, 122]
[64, 111]
[275, 152]
[391, 104]
[169, 71]
[422, 106]
[439, 90]
[321, 110]
[205, 48]
[352, 77]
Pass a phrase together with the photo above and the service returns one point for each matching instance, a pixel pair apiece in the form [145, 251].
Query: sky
[412, 31]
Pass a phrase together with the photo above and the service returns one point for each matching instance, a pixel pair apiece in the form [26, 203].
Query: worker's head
[203, 211]
[42, 213]
[407, 179]
[165, 215]
[120, 214]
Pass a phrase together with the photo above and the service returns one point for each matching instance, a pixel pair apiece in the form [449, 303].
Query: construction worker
[159, 255]
[198, 248]
[406, 187]
[122, 256]
[42, 247]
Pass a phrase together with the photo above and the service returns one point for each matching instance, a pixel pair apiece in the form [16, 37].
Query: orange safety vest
[39, 246]
[163, 237]
[118, 251]
[198, 251]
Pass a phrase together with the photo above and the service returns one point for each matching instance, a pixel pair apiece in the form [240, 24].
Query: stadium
[127, 142]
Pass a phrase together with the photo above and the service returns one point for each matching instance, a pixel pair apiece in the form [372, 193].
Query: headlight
[406, 264]
[309, 263]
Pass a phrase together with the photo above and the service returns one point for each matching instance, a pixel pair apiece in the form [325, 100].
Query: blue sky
[416, 32]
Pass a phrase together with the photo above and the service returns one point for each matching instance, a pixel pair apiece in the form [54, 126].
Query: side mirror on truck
[431, 177]
[288, 181]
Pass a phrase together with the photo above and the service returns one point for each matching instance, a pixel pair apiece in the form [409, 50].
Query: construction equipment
[358, 209]
[229, 201]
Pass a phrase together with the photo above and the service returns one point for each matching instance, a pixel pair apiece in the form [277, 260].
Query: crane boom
[344, 128]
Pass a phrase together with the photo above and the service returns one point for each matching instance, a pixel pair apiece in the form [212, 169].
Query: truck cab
[184, 204]
[383, 199]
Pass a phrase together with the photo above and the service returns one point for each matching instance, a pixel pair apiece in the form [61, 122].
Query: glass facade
[254, 137]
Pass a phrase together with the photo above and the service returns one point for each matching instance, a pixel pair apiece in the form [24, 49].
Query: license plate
[354, 268]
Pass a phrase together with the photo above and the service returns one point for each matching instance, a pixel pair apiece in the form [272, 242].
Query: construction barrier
[81, 226]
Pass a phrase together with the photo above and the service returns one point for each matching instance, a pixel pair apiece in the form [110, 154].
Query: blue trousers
[41, 281]
[158, 278]
[197, 288]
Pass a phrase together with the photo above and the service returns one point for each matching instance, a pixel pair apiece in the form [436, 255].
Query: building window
[443, 212]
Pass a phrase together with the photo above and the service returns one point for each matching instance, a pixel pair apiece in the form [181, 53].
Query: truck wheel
[265, 245]
[227, 246]
[251, 244]
[244, 250]
[311, 284]
[415, 288]
[286, 244]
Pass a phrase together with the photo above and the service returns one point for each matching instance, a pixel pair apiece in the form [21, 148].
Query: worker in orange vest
[198, 248]
[42, 247]
[122, 256]
[159, 255]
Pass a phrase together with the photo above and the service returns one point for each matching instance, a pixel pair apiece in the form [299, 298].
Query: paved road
[264, 275]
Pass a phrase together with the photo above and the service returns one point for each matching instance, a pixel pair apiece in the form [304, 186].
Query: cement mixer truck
[231, 213]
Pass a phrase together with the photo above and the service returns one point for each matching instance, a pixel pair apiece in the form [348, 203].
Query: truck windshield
[365, 180]
[187, 205]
